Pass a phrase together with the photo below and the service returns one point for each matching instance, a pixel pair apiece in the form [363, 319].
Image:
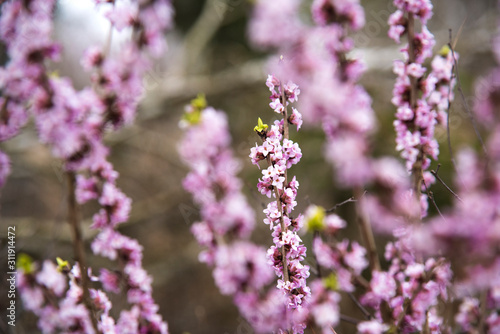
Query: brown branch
[416, 172]
[78, 247]
[283, 227]
[349, 319]
[483, 312]
[361, 307]
[430, 194]
[336, 206]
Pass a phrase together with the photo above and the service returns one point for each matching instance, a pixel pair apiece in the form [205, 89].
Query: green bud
[445, 50]
[61, 264]
[192, 118]
[331, 282]
[25, 263]
[199, 103]
[260, 126]
[315, 218]
[193, 113]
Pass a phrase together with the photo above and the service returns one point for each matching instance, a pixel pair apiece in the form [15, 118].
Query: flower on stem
[281, 153]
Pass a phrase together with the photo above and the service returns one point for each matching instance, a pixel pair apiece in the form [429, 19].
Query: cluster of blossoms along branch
[240, 268]
[468, 234]
[422, 101]
[406, 297]
[45, 292]
[281, 153]
[73, 123]
[315, 57]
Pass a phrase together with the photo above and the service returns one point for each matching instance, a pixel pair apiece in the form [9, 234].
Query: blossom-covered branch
[421, 101]
[73, 123]
[239, 266]
[281, 153]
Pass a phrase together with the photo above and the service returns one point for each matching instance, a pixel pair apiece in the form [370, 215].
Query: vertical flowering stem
[417, 166]
[73, 123]
[283, 228]
[281, 153]
[416, 119]
[78, 247]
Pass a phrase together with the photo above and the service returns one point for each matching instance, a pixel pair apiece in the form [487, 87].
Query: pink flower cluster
[316, 58]
[440, 83]
[240, 267]
[26, 34]
[347, 259]
[468, 232]
[59, 308]
[213, 183]
[133, 279]
[407, 295]
[421, 101]
[470, 312]
[73, 124]
[281, 153]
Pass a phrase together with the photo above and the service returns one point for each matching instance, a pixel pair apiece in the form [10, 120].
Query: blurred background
[209, 52]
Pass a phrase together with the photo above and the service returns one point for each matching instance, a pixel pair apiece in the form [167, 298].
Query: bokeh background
[209, 52]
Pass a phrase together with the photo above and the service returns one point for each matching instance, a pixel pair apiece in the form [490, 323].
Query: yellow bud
[331, 282]
[260, 126]
[315, 218]
[193, 110]
[445, 50]
[54, 74]
[25, 263]
[199, 103]
[61, 264]
[192, 118]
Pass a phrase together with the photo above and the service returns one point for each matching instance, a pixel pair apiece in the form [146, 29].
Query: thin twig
[361, 307]
[430, 194]
[78, 248]
[435, 173]
[349, 319]
[336, 206]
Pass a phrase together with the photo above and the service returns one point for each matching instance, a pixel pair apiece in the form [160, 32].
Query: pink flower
[383, 285]
[4, 168]
[51, 278]
[277, 106]
[92, 57]
[122, 16]
[372, 327]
